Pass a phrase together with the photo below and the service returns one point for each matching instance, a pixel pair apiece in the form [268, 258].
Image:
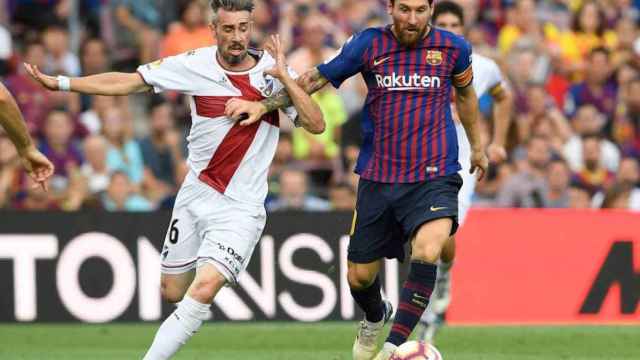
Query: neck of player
[247, 63]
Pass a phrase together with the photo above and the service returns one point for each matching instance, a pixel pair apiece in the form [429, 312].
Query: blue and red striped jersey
[408, 132]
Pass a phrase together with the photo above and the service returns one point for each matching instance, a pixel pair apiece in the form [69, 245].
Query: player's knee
[204, 288]
[426, 251]
[359, 277]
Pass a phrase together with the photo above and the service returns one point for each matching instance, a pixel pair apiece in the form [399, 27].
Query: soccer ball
[416, 350]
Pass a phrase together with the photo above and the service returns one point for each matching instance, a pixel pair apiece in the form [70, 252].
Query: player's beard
[409, 36]
[232, 59]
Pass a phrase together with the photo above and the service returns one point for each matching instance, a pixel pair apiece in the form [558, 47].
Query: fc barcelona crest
[434, 57]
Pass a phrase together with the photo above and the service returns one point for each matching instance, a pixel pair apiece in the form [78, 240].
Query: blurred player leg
[187, 318]
[426, 249]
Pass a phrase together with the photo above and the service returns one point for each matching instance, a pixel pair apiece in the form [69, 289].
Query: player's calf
[416, 291]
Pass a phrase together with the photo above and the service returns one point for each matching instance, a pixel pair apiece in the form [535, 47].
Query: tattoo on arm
[311, 81]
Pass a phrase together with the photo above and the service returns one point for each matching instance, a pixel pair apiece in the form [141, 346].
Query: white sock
[174, 332]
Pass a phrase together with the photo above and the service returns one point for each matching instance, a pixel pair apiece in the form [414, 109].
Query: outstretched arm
[36, 164]
[109, 84]
[467, 105]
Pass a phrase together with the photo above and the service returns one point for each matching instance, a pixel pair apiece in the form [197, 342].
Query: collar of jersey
[217, 63]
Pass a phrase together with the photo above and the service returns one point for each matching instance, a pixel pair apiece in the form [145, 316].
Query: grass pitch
[326, 341]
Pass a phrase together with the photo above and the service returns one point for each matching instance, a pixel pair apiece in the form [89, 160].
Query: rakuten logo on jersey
[407, 82]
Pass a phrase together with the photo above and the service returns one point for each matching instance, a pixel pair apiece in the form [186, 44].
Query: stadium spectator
[588, 121]
[597, 89]
[163, 153]
[94, 56]
[558, 181]
[588, 32]
[294, 194]
[629, 177]
[58, 145]
[133, 34]
[59, 59]
[522, 26]
[593, 174]
[95, 167]
[34, 101]
[190, 33]
[121, 196]
[124, 153]
[525, 189]
[579, 196]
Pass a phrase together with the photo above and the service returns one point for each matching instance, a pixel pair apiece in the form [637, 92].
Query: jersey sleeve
[348, 61]
[170, 73]
[497, 84]
[462, 70]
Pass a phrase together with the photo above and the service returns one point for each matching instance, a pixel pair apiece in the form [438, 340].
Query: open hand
[274, 47]
[49, 82]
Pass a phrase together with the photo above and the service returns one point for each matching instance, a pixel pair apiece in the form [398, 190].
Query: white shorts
[209, 227]
[468, 180]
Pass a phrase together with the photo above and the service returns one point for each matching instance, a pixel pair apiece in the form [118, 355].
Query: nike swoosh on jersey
[437, 208]
[380, 61]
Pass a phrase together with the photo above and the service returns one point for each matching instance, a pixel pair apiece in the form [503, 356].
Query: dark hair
[599, 50]
[232, 5]
[393, 2]
[577, 27]
[448, 7]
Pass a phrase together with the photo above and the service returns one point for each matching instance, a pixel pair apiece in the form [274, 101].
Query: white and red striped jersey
[230, 158]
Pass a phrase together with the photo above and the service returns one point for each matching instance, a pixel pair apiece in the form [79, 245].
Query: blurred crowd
[573, 66]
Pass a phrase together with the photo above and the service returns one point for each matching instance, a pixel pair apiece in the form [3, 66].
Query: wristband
[64, 83]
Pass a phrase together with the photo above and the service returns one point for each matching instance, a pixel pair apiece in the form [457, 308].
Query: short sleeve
[497, 84]
[348, 61]
[169, 73]
[462, 70]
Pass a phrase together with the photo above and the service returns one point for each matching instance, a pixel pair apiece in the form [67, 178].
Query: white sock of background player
[174, 332]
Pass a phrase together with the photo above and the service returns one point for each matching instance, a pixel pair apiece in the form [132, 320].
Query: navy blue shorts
[388, 215]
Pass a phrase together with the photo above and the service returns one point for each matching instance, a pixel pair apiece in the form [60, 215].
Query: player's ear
[390, 6]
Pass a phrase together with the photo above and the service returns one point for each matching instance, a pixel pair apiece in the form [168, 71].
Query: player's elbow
[318, 127]
[315, 124]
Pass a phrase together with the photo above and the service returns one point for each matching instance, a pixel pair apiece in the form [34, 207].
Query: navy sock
[370, 301]
[414, 299]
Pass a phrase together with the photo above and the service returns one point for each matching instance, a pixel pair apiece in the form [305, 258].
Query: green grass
[326, 341]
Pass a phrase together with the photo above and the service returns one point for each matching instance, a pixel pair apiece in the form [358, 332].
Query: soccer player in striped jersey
[487, 79]
[408, 163]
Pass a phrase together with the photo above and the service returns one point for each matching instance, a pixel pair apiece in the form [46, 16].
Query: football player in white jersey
[219, 212]
[487, 79]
